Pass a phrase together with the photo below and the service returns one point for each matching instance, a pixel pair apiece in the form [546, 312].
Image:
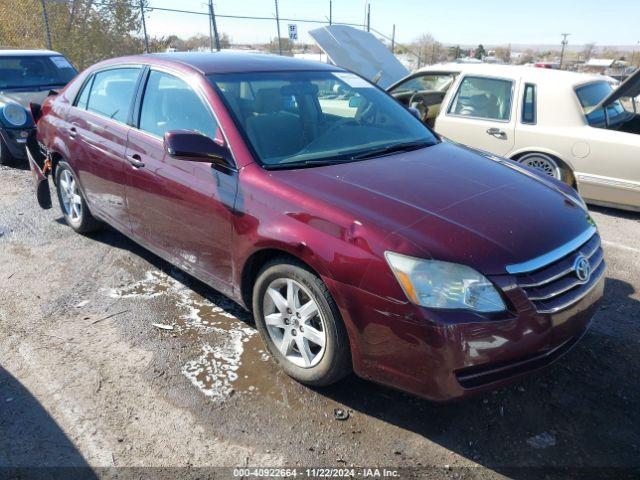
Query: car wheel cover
[543, 163]
[294, 322]
[70, 195]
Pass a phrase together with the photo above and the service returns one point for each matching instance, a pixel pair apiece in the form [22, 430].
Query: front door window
[482, 97]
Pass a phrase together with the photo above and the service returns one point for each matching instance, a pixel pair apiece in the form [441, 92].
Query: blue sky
[464, 21]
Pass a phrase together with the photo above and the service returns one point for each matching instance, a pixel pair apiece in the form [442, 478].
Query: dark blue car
[26, 76]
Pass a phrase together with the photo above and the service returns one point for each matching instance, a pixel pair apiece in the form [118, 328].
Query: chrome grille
[556, 286]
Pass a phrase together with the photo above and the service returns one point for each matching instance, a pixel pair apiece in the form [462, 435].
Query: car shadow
[32, 444]
[18, 165]
[615, 212]
[113, 238]
[576, 418]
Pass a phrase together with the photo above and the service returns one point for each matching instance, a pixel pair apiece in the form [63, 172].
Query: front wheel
[300, 323]
[73, 205]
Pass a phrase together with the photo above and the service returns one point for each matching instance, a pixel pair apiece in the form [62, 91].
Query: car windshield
[590, 97]
[295, 119]
[34, 71]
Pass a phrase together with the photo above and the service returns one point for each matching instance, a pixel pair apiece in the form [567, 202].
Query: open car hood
[360, 52]
[629, 88]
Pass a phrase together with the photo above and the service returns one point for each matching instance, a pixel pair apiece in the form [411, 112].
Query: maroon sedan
[358, 238]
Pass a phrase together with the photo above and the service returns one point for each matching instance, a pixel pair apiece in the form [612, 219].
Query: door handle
[73, 133]
[135, 161]
[496, 132]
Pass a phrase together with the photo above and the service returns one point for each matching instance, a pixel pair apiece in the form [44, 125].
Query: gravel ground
[111, 358]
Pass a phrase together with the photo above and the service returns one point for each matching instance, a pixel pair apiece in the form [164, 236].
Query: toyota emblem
[582, 267]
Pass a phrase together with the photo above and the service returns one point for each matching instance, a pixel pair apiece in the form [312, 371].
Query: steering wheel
[422, 108]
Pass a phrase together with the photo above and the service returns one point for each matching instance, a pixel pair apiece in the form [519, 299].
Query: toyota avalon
[357, 237]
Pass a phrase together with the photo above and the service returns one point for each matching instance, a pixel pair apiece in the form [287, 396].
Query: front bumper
[442, 355]
[16, 139]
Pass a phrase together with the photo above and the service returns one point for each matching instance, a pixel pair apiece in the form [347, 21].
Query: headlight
[15, 114]
[436, 284]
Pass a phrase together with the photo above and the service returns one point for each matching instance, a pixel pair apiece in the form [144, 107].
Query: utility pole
[212, 16]
[330, 12]
[368, 17]
[393, 39]
[278, 23]
[45, 18]
[564, 44]
[144, 27]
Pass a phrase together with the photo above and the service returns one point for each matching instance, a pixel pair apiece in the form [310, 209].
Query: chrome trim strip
[567, 288]
[608, 181]
[553, 255]
[575, 300]
[564, 272]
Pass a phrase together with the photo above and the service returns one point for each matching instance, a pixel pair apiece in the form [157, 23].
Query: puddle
[233, 358]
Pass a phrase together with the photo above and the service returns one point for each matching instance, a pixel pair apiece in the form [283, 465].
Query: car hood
[24, 98]
[360, 52]
[449, 203]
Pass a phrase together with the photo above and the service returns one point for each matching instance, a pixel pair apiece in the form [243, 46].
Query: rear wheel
[544, 163]
[300, 323]
[73, 205]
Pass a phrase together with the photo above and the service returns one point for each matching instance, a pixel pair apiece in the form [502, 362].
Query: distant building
[597, 65]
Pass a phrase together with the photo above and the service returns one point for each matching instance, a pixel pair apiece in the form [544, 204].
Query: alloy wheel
[543, 163]
[71, 200]
[294, 322]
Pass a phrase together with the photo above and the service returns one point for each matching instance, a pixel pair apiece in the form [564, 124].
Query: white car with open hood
[576, 127]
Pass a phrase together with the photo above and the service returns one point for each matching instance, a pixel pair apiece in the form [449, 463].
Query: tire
[322, 364]
[72, 202]
[5, 155]
[547, 164]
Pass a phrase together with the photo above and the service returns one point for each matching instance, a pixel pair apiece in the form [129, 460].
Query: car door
[180, 208]
[97, 129]
[481, 114]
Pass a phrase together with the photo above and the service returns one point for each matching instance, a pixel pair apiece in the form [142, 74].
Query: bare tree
[428, 49]
[588, 50]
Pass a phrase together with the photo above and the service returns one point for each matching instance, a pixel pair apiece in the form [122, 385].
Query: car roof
[237, 62]
[534, 74]
[27, 53]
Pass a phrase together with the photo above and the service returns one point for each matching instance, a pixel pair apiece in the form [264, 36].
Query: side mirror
[196, 147]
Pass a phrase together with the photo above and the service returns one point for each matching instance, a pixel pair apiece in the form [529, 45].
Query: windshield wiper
[306, 163]
[393, 148]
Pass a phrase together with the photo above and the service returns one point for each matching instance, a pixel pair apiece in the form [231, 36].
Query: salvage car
[573, 127]
[360, 241]
[26, 77]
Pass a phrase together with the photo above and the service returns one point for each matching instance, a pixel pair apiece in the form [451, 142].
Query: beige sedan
[575, 127]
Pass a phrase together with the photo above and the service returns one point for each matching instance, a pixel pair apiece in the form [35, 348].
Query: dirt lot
[87, 379]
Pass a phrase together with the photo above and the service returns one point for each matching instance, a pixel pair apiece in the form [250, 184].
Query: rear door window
[112, 93]
[483, 97]
[169, 103]
[529, 104]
